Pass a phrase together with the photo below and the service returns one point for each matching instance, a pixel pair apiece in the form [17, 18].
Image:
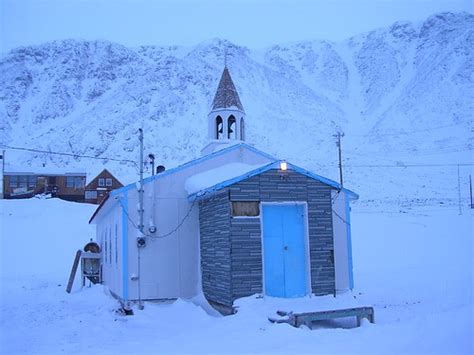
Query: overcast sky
[251, 23]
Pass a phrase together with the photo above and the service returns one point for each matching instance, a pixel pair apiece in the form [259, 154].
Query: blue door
[284, 250]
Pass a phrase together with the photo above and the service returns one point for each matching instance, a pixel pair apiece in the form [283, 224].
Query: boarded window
[245, 208]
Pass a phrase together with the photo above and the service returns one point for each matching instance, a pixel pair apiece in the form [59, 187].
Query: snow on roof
[215, 176]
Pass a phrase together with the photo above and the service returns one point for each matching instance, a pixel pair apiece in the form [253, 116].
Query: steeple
[226, 119]
[226, 94]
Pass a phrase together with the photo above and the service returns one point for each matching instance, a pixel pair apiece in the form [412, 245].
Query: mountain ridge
[90, 97]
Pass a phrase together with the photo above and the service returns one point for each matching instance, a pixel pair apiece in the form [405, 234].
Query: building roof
[193, 162]
[202, 189]
[103, 172]
[147, 180]
[226, 94]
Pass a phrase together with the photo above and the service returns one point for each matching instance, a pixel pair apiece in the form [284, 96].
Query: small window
[101, 182]
[78, 182]
[91, 195]
[116, 245]
[31, 181]
[23, 180]
[246, 209]
[13, 181]
[108, 182]
[70, 181]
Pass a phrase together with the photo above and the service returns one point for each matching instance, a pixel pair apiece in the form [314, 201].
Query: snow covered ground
[415, 268]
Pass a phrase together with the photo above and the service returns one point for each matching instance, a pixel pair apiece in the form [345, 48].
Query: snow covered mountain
[402, 95]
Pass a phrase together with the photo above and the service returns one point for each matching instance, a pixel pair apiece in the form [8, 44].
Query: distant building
[24, 184]
[100, 186]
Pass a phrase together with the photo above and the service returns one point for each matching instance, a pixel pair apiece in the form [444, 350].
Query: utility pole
[470, 191]
[338, 136]
[3, 173]
[459, 191]
[141, 239]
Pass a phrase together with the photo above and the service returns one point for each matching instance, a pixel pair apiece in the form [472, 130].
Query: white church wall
[170, 266]
[109, 237]
[340, 241]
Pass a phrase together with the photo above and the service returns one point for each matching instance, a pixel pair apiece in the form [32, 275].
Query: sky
[255, 24]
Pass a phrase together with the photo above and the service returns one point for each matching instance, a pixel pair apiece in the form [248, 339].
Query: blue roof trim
[193, 162]
[200, 194]
[324, 180]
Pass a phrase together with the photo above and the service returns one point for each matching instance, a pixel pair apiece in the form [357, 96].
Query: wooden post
[73, 271]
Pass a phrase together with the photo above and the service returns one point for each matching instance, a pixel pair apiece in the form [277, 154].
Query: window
[70, 181]
[116, 246]
[245, 208]
[101, 182]
[90, 195]
[219, 127]
[242, 137]
[105, 249]
[110, 246]
[32, 181]
[13, 181]
[231, 131]
[23, 180]
[108, 182]
[78, 182]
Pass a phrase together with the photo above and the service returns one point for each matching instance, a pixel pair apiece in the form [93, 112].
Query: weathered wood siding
[235, 244]
[214, 224]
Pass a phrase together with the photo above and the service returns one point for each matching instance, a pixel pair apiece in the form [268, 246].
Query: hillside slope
[402, 94]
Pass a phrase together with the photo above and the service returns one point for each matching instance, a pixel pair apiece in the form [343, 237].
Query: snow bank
[416, 270]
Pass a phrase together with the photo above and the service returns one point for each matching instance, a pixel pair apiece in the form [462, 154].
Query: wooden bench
[298, 319]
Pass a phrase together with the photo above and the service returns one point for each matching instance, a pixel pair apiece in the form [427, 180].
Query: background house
[100, 186]
[23, 184]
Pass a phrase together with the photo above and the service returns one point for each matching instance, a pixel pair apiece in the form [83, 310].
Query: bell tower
[226, 121]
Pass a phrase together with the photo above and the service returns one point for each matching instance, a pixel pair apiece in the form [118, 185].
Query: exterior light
[283, 166]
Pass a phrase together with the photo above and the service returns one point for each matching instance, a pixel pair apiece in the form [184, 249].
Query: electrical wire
[67, 154]
[163, 235]
[407, 132]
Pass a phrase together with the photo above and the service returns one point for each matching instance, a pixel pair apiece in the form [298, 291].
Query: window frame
[107, 180]
[101, 182]
[233, 210]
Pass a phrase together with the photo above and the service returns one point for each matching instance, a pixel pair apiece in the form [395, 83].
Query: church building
[232, 223]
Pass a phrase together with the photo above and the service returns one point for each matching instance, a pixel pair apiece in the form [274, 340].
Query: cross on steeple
[225, 57]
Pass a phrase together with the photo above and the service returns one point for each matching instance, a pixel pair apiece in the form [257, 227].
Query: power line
[408, 165]
[67, 154]
[134, 225]
[407, 132]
